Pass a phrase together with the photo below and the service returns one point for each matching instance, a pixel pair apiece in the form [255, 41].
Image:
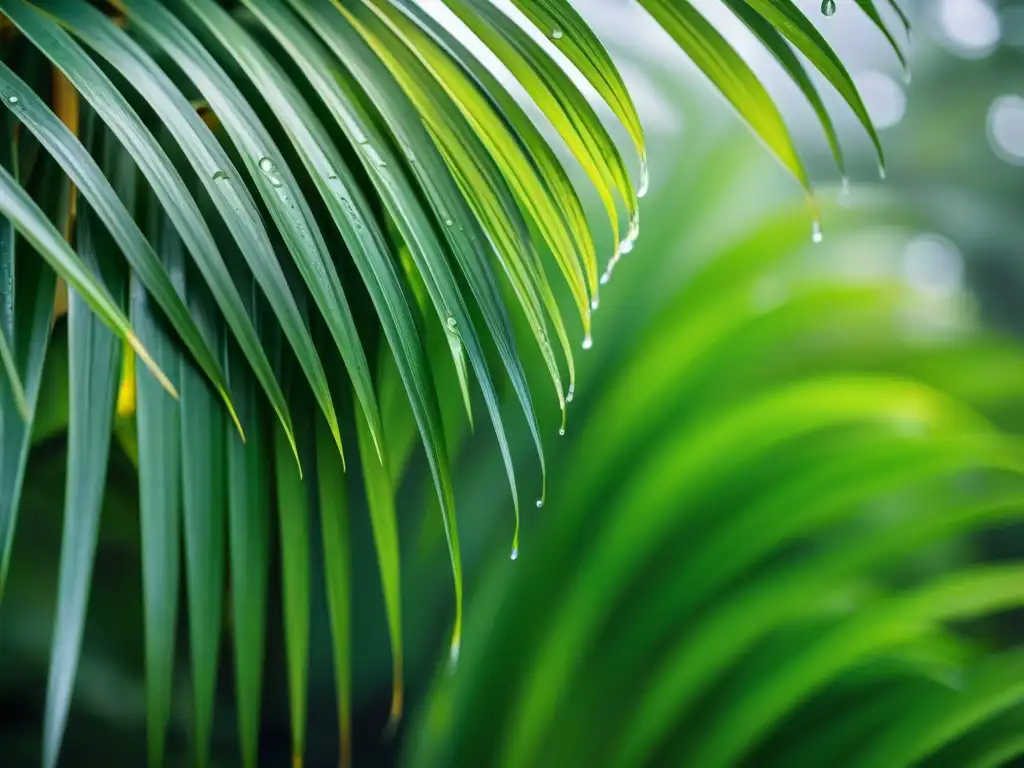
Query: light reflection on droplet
[588, 341]
[1006, 128]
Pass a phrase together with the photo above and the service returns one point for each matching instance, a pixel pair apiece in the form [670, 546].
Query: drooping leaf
[64, 147]
[334, 528]
[718, 60]
[159, 451]
[201, 147]
[94, 372]
[279, 191]
[293, 512]
[249, 527]
[380, 499]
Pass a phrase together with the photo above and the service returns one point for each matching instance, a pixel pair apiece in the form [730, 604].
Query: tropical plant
[794, 531]
[365, 119]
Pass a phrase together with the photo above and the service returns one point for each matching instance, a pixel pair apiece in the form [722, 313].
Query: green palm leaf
[263, 130]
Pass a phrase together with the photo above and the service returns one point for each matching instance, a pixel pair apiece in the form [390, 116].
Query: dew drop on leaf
[13, 99]
[515, 553]
[220, 176]
[816, 236]
[828, 7]
[452, 323]
[588, 341]
[556, 34]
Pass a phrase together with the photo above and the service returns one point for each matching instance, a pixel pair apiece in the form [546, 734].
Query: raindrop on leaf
[828, 7]
[588, 341]
[13, 99]
[220, 176]
[556, 34]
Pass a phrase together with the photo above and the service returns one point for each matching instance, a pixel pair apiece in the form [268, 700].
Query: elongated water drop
[588, 341]
[556, 34]
[828, 7]
[454, 654]
[845, 192]
[626, 246]
[645, 177]
[606, 277]
[220, 176]
[881, 172]
[515, 553]
[571, 393]
[816, 236]
[595, 303]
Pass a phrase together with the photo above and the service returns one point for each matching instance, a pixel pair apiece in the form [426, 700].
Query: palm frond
[316, 118]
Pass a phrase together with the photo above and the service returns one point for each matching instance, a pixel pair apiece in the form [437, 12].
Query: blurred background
[771, 440]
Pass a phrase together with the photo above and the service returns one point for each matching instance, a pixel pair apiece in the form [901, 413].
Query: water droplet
[645, 177]
[454, 655]
[571, 393]
[881, 172]
[828, 7]
[626, 246]
[276, 183]
[540, 503]
[220, 176]
[816, 236]
[515, 553]
[845, 192]
[448, 222]
[561, 431]
[595, 303]
[332, 176]
[452, 323]
[588, 341]
[267, 165]
[556, 34]
[606, 277]
[13, 99]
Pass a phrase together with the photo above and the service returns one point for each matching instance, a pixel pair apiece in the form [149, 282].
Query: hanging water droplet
[881, 172]
[845, 192]
[452, 323]
[220, 176]
[606, 277]
[595, 303]
[571, 393]
[454, 654]
[13, 99]
[556, 34]
[588, 341]
[515, 553]
[828, 7]
[645, 177]
[561, 431]
[540, 503]
[816, 236]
